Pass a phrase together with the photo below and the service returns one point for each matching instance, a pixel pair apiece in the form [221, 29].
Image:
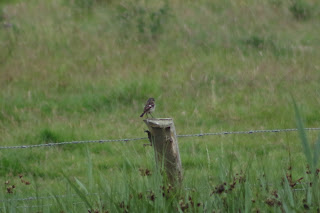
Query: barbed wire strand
[145, 138]
[70, 142]
[133, 139]
[248, 132]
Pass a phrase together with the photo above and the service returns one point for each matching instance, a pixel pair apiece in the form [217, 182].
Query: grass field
[83, 70]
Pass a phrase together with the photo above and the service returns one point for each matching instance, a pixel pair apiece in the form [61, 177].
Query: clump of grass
[301, 9]
[147, 23]
[263, 43]
[85, 4]
[312, 195]
[133, 90]
[10, 33]
[256, 42]
[81, 7]
[49, 136]
[2, 18]
[10, 164]
[276, 3]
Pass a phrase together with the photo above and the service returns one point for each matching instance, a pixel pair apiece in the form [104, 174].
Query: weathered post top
[165, 143]
[159, 122]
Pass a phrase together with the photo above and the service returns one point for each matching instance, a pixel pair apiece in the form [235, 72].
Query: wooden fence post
[165, 143]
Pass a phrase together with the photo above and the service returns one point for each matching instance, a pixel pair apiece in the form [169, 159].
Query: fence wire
[127, 140]
[70, 142]
[146, 138]
[248, 132]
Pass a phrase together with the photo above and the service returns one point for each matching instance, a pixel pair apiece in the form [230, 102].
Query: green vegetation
[83, 69]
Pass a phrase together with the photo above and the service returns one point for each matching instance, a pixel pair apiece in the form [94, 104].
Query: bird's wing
[148, 107]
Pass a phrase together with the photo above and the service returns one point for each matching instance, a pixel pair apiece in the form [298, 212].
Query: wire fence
[26, 199]
[146, 138]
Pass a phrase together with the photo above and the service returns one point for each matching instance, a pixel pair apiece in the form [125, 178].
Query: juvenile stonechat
[149, 107]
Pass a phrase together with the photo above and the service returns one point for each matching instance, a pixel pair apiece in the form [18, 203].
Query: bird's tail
[142, 114]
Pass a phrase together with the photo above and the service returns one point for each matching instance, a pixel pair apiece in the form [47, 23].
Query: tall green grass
[133, 189]
[245, 191]
[82, 70]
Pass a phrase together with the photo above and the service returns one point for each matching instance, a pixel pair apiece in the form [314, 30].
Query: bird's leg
[151, 115]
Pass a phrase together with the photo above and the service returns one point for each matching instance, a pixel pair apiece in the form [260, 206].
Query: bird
[149, 107]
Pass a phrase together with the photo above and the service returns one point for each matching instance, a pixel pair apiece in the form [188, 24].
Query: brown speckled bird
[149, 107]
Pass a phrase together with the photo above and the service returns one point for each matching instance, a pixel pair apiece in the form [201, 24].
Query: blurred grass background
[83, 69]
